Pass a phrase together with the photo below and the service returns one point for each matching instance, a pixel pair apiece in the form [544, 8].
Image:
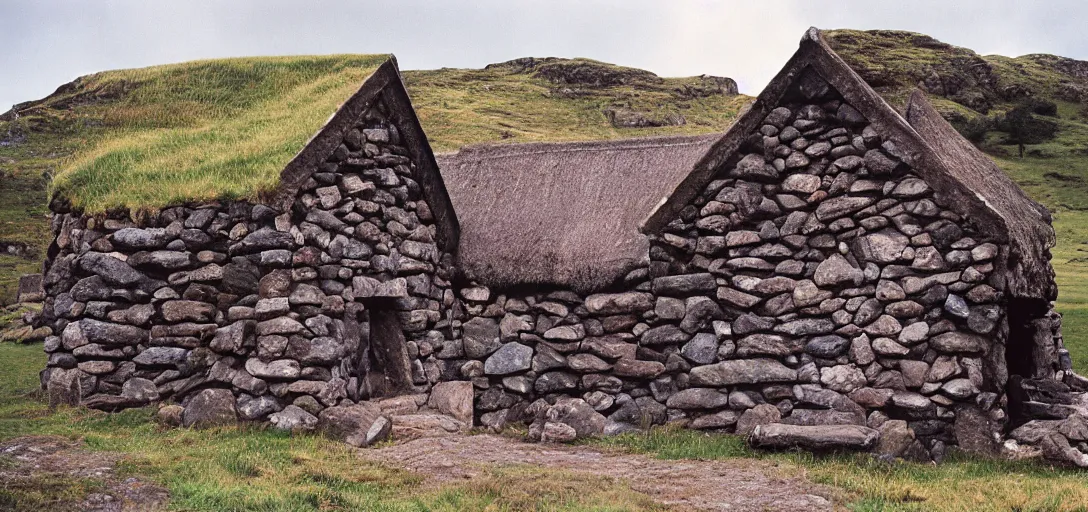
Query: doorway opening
[1027, 351]
[384, 369]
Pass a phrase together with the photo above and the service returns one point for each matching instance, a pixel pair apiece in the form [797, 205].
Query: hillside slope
[534, 99]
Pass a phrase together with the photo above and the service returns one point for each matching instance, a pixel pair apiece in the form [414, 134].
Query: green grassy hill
[70, 138]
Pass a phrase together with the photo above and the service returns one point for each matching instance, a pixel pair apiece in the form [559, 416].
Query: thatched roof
[962, 178]
[563, 214]
[385, 84]
[1027, 222]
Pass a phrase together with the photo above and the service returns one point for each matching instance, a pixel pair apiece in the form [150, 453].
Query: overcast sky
[44, 43]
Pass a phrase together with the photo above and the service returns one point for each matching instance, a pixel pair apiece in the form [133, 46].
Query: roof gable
[384, 85]
[955, 179]
[1028, 223]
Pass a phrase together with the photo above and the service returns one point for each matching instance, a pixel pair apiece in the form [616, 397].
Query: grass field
[261, 470]
[252, 469]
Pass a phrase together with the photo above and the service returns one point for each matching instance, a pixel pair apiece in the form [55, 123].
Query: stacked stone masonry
[818, 275]
[817, 281]
[270, 305]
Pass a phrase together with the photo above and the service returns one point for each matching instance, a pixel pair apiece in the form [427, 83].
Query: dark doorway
[1028, 346]
[384, 368]
[1029, 353]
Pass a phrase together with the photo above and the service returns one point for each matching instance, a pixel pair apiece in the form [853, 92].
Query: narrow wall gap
[383, 367]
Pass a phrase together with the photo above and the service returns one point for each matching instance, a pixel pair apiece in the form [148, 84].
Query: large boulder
[698, 398]
[957, 342]
[188, 311]
[136, 238]
[142, 391]
[567, 420]
[161, 356]
[278, 369]
[835, 271]
[685, 285]
[210, 408]
[352, 423]
[619, 303]
[578, 414]
[975, 431]
[453, 398]
[895, 438]
[110, 269]
[293, 419]
[742, 371]
[1056, 448]
[63, 387]
[480, 337]
[106, 333]
[555, 432]
[763, 414]
[883, 247]
[512, 357]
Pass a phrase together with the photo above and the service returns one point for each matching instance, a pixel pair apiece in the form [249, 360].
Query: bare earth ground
[733, 485]
[30, 461]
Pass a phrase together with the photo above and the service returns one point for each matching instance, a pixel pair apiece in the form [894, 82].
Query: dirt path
[55, 465]
[733, 485]
[62, 468]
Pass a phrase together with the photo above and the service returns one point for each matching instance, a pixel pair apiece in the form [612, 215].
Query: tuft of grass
[46, 492]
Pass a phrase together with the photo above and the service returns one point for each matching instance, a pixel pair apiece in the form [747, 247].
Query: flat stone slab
[779, 436]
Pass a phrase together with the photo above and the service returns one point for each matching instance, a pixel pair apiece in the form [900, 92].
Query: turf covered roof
[217, 129]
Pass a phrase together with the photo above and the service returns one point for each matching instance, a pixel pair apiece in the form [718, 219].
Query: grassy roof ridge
[205, 130]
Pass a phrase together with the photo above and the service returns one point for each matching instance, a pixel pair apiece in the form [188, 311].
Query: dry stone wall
[844, 267]
[267, 309]
[818, 281]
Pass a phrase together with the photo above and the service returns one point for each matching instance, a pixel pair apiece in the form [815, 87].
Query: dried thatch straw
[563, 214]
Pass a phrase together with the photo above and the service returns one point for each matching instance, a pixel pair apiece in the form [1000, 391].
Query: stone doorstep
[781, 436]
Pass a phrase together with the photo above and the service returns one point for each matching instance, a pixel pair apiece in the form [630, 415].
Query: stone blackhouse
[827, 261]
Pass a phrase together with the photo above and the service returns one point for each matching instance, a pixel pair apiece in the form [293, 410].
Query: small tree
[1023, 128]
